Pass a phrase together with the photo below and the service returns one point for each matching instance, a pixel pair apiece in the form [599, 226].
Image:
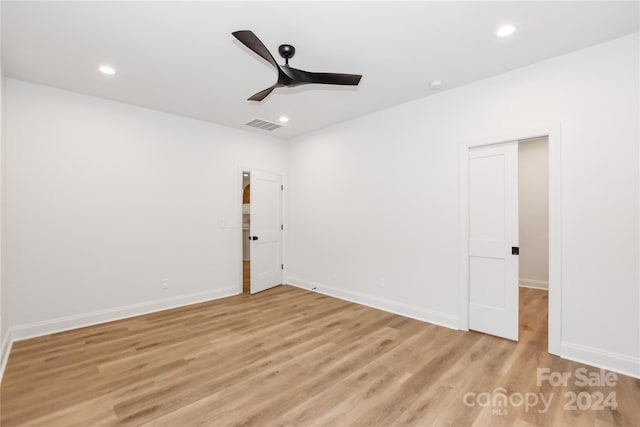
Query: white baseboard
[533, 283]
[406, 310]
[5, 349]
[619, 363]
[46, 327]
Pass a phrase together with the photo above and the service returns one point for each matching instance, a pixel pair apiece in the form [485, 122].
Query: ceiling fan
[288, 76]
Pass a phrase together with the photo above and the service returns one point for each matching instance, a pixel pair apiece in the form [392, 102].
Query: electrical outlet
[164, 284]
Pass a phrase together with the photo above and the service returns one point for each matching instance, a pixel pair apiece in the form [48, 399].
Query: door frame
[239, 237]
[553, 132]
[240, 258]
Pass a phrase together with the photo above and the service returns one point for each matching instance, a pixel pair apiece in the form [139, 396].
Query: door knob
[515, 250]
[254, 237]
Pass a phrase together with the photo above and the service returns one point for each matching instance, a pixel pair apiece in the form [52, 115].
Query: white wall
[4, 324]
[533, 210]
[374, 201]
[104, 200]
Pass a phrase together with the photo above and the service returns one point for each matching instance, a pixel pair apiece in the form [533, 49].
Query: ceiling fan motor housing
[286, 51]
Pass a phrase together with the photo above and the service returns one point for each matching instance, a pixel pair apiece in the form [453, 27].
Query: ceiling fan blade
[331, 78]
[262, 94]
[252, 41]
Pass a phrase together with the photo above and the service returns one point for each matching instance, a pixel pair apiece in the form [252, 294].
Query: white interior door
[493, 232]
[265, 230]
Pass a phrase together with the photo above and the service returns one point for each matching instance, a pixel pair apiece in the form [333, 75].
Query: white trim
[463, 307]
[5, 350]
[620, 363]
[61, 324]
[402, 309]
[533, 283]
[553, 132]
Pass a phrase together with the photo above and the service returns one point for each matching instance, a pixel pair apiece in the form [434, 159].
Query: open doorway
[533, 220]
[262, 228]
[490, 291]
[246, 227]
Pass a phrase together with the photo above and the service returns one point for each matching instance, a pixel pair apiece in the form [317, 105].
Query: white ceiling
[180, 57]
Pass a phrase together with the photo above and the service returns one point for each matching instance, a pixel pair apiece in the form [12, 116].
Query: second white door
[266, 230]
[493, 239]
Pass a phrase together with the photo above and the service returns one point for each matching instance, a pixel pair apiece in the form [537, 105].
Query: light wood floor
[288, 357]
[246, 277]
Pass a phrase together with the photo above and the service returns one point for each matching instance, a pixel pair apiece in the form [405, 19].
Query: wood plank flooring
[246, 277]
[291, 357]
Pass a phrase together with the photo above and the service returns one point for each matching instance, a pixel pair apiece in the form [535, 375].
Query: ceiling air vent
[263, 124]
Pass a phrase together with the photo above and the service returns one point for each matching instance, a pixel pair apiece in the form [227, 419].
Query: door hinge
[281, 266]
[282, 187]
[281, 226]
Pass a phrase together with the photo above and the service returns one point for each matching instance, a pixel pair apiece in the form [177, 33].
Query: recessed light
[284, 119]
[107, 70]
[435, 84]
[505, 31]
